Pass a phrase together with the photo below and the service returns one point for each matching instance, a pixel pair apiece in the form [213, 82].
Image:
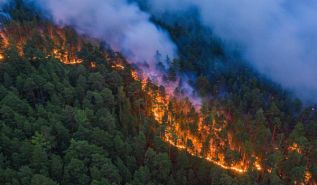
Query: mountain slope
[74, 112]
[80, 122]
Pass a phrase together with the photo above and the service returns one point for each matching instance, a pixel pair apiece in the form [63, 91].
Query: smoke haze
[278, 37]
[2, 3]
[124, 26]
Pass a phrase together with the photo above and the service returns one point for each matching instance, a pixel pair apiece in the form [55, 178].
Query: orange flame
[118, 66]
[295, 148]
[178, 137]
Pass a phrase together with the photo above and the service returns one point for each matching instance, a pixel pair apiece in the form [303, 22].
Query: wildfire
[63, 51]
[93, 64]
[134, 75]
[5, 43]
[208, 141]
[183, 139]
[117, 61]
[257, 164]
[66, 57]
[308, 178]
[5, 40]
[118, 66]
[295, 148]
[239, 168]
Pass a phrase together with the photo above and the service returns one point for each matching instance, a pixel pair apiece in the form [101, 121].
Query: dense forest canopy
[73, 111]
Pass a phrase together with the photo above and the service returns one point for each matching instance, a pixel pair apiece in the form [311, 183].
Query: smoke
[4, 16]
[3, 2]
[278, 37]
[124, 27]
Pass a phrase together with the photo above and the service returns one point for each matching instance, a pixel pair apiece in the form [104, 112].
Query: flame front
[175, 115]
[57, 41]
[182, 124]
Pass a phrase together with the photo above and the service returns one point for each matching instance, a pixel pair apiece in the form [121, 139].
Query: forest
[75, 112]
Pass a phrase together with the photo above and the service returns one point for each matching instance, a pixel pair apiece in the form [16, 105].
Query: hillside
[73, 111]
[80, 122]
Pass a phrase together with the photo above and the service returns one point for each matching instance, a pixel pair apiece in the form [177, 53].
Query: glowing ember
[93, 64]
[118, 63]
[118, 66]
[66, 57]
[5, 40]
[308, 178]
[134, 75]
[295, 148]
[257, 164]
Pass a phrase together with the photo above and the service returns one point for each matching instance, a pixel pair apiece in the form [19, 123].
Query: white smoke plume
[123, 26]
[3, 2]
[4, 16]
[278, 37]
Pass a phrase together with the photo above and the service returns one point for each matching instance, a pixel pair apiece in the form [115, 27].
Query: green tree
[39, 160]
[38, 179]
[56, 168]
[76, 173]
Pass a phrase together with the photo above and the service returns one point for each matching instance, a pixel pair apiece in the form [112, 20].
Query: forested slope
[72, 111]
[80, 122]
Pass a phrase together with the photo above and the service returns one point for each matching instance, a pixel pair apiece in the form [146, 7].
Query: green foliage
[78, 125]
[74, 125]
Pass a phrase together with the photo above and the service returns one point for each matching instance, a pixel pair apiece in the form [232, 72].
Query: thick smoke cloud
[2, 2]
[4, 16]
[125, 28]
[121, 24]
[278, 37]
